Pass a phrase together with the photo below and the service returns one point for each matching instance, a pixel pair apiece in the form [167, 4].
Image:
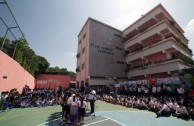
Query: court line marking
[102, 116]
[108, 117]
[114, 120]
[127, 111]
[7, 114]
[96, 122]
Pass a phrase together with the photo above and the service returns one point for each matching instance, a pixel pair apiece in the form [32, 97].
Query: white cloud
[191, 22]
[190, 25]
[70, 53]
[124, 20]
[189, 30]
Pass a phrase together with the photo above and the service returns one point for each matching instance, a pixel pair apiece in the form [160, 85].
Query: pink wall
[52, 81]
[12, 75]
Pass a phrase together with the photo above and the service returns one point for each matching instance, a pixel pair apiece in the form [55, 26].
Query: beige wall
[16, 75]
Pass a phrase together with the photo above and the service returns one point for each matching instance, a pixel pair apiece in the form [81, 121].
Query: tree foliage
[25, 56]
[60, 71]
[28, 59]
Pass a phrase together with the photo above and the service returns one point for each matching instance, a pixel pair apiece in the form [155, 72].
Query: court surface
[106, 115]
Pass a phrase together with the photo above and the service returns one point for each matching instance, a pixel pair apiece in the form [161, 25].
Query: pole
[4, 38]
[14, 49]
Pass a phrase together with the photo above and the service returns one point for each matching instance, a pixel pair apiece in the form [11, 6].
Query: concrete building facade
[100, 54]
[154, 46]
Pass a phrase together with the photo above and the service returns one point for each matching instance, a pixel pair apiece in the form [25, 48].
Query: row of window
[120, 62]
[83, 38]
[82, 67]
[119, 36]
[118, 48]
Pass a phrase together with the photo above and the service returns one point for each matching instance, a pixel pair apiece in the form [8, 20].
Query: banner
[168, 80]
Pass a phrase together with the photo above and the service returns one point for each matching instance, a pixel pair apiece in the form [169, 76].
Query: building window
[77, 69]
[83, 66]
[79, 41]
[120, 62]
[118, 36]
[119, 48]
[78, 55]
[84, 35]
[83, 50]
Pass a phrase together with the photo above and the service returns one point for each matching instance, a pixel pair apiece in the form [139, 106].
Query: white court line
[96, 122]
[114, 120]
[125, 111]
[104, 116]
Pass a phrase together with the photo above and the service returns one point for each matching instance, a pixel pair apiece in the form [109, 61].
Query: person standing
[73, 102]
[92, 98]
[82, 109]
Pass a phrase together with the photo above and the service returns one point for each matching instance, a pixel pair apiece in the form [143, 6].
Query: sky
[51, 27]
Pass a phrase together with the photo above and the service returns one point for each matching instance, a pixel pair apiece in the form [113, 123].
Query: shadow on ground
[55, 115]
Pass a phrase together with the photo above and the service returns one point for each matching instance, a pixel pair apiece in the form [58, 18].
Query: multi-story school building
[154, 46]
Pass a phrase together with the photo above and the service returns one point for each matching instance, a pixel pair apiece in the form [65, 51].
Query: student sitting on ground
[191, 112]
[164, 111]
[151, 104]
[23, 103]
[181, 111]
[172, 104]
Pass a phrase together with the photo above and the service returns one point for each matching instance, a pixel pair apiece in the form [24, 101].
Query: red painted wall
[12, 75]
[52, 81]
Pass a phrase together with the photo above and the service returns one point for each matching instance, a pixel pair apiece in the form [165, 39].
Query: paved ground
[106, 115]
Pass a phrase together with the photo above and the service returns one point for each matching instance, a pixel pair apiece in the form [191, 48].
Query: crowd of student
[159, 99]
[29, 98]
[73, 103]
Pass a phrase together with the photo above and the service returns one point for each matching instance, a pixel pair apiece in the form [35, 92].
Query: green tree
[43, 64]
[25, 56]
[72, 74]
[6, 47]
[64, 71]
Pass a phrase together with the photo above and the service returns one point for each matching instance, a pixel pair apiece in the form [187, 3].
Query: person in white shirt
[158, 90]
[164, 111]
[82, 109]
[180, 91]
[139, 90]
[154, 91]
[181, 112]
[73, 102]
[92, 99]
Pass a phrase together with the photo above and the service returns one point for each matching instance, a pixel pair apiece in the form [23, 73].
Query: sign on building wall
[168, 80]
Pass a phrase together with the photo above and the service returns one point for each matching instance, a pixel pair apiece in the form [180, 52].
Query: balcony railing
[185, 59]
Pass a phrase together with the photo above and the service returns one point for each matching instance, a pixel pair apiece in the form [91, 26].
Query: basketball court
[106, 115]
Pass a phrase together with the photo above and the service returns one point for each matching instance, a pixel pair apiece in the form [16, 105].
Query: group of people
[158, 99]
[74, 105]
[29, 98]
